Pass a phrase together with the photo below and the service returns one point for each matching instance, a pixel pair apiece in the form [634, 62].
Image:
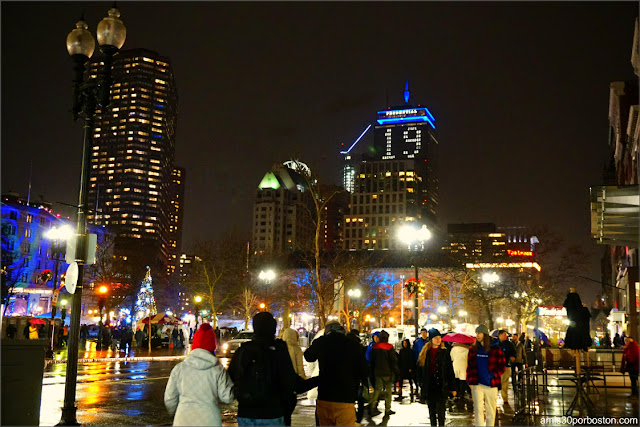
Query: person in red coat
[630, 356]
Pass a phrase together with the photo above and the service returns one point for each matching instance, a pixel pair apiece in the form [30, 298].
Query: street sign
[71, 278]
[54, 300]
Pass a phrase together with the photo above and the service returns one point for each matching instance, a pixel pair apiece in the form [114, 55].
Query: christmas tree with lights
[146, 300]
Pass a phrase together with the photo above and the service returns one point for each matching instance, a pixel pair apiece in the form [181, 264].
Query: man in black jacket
[263, 376]
[384, 363]
[342, 368]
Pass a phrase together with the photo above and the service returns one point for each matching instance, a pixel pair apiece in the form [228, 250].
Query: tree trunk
[487, 309]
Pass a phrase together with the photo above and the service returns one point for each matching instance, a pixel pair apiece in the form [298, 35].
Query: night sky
[519, 91]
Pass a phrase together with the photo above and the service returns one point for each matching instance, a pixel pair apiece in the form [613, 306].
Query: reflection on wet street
[114, 393]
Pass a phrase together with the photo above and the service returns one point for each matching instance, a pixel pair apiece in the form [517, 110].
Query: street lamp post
[353, 293]
[411, 235]
[87, 97]
[402, 302]
[267, 277]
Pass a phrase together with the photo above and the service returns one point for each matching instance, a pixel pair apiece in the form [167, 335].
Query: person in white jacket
[459, 355]
[198, 383]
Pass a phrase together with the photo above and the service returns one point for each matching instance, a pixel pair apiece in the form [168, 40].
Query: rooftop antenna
[30, 174]
[406, 92]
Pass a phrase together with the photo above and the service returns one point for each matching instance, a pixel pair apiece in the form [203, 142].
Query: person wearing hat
[264, 377]
[485, 366]
[342, 369]
[418, 344]
[435, 373]
[384, 370]
[198, 383]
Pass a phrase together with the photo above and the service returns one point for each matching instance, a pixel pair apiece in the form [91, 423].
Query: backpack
[254, 384]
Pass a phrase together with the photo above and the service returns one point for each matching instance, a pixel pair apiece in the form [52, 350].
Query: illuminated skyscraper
[132, 156]
[397, 182]
[281, 212]
[176, 214]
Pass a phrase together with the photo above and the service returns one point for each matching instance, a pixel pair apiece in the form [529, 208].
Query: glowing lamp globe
[80, 41]
[111, 31]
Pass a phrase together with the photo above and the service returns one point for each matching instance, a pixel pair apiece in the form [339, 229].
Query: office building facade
[132, 157]
[281, 213]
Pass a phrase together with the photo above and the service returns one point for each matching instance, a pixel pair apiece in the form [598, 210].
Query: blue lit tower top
[406, 92]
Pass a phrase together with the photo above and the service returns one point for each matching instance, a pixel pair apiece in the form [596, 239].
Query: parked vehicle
[231, 346]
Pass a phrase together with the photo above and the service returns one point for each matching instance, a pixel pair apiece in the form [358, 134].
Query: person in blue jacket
[417, 348]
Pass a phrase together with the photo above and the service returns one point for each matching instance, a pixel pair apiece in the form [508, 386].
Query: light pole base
[69, 417]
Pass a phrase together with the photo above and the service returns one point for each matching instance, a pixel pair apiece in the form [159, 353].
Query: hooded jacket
[342, 367]
[292, 338]
[459, 355]
[283, 377]
[194, 389]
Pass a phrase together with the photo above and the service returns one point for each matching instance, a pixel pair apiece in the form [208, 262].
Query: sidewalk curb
[118, 359]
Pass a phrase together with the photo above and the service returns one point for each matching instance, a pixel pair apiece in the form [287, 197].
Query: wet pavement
[121, 391]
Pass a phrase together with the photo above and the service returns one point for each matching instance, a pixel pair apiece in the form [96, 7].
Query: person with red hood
[630, 356]
[197, 384]
[384, 364]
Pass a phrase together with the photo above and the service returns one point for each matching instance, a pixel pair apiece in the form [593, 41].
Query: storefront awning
[615, 215]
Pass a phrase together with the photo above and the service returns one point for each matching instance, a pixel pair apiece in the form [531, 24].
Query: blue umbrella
[541, 336]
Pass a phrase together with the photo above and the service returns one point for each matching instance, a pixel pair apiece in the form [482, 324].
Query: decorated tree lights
[146, 302]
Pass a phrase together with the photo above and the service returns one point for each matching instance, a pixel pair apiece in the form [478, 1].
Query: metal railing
[525, 391]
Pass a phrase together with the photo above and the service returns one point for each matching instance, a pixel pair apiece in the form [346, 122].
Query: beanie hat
[433, 332]
[483, 329]
[264, 325]
[384, 336]
[375, 334]
[204, 338]
[423, 329]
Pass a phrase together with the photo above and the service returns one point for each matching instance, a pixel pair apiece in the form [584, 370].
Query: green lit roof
[269, 181]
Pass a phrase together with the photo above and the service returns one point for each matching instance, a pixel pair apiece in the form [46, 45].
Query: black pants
[401, 383]
[436, 403]
[462, 388]
[633, 376]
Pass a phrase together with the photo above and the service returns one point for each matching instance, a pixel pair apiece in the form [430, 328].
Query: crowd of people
[348, 378]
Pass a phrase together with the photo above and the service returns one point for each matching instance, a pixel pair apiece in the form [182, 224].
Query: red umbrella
[160, 318]
[37, 321]
[460, 338]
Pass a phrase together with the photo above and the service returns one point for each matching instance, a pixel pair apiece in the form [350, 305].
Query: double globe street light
[88, 97]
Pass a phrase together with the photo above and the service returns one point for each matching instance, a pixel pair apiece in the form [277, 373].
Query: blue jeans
[260, 421]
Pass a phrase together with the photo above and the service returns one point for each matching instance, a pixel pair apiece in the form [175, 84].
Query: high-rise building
[132, 156]
[176, 215]
[397, 182]
[281, 219]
